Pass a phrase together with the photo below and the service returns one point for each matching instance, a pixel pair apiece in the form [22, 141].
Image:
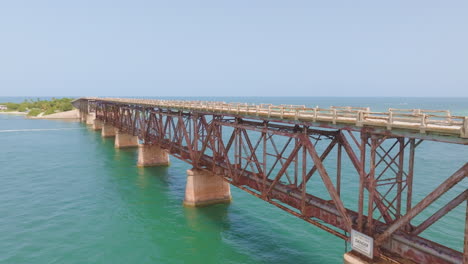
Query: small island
[53, 108]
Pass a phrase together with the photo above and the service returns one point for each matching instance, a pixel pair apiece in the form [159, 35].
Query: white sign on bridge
[362, 243]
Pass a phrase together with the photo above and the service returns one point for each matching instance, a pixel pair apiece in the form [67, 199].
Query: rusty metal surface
[283, 162]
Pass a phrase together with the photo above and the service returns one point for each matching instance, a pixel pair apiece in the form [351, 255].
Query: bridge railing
[414, 119]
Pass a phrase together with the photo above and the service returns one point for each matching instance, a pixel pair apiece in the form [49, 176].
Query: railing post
[315, 114]
[334, 117]
[464, 129]
[269, 111]
[360, 118]
[422, 128]
[390, 121]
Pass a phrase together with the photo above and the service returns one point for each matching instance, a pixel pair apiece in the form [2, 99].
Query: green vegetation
[35, 107]
[34, 112]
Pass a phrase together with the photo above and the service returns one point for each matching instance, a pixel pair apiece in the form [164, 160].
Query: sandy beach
[72, 114]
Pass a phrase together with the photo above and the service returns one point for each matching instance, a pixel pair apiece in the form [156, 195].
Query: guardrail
[413, 119]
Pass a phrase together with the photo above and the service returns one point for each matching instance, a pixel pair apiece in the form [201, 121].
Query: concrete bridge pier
[97, 124]
[108, 130]
[205, 188]
[90, 118]
[123, 140]
[82, 116]
[152, 155]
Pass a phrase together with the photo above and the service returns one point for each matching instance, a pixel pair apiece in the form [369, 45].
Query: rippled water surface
[67, 196]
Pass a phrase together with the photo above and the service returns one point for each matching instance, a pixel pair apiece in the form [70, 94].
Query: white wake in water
[38, 129]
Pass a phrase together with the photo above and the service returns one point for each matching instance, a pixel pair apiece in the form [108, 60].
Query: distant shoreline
[38, 107]
[13, 113]
[72, 114]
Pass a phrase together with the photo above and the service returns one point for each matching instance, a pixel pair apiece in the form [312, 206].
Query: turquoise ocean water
[67, 196]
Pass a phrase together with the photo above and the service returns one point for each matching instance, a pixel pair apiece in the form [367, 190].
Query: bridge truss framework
[281, 161]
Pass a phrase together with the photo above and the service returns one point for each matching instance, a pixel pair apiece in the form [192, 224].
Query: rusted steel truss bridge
[293, 157]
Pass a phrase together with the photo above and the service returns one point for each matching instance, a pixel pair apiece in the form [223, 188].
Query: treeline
[35, 107]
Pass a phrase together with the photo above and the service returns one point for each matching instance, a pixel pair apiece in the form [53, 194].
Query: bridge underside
[299, 168]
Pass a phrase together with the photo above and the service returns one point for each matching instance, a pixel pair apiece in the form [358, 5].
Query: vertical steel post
[362, 175]
[401, 159]
[196, 133]
[239, 135]
[296, 164]
[236, 149]
[371, 186]
[409, 178]
[338, 170]
[304, 179]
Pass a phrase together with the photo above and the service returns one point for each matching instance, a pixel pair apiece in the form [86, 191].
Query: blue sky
[234, 48]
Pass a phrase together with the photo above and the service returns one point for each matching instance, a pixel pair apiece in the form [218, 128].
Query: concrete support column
[123, 140]
[82, 116]
[152, 155]
[204, 188]
[97, 124]
[90, 119]
[108, 130]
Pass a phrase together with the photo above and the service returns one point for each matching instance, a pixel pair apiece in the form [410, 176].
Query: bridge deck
[435, 122]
